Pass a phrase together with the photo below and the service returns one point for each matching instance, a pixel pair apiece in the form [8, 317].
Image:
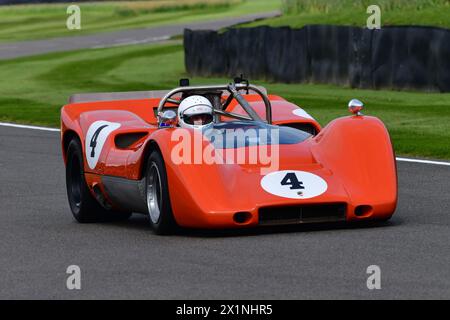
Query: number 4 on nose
[292, 180]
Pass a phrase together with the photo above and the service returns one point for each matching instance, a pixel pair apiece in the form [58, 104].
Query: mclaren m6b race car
[222, 156]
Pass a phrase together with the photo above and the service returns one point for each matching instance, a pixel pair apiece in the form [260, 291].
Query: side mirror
[355, 106]
[168, 119]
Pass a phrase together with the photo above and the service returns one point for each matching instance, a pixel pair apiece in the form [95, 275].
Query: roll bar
[233, 89]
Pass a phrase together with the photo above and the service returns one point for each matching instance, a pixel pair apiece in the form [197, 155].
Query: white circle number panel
[294, 184]
[96, 137]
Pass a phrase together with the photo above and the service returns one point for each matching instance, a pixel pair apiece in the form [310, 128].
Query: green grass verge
[34, 89]
[41, 21]
[350, 12]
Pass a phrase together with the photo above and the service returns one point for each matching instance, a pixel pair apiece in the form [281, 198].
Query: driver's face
[200, 119]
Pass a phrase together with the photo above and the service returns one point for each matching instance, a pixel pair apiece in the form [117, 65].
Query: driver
[195, 112]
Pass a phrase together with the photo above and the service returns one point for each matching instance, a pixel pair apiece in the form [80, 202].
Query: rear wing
[131, 95]
[114, 96]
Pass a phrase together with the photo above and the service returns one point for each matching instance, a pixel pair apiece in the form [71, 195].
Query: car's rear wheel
[157, 192]
[83, 205]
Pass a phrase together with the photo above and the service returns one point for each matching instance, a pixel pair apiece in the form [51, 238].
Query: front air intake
[302, 214]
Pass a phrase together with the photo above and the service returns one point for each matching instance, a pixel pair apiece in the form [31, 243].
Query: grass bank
[298, 13]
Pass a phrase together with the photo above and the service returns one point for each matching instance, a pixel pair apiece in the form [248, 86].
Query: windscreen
[236, 134]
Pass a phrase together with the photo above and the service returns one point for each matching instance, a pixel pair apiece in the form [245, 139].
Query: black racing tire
[84, 207]
[157, 196]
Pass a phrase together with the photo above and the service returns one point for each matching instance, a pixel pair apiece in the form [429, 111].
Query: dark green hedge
[406, 57]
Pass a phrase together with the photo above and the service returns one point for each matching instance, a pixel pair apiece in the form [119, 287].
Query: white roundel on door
[294, 184]
[96, 136]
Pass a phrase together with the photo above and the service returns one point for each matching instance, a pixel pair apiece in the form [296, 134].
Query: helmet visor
[198, 119]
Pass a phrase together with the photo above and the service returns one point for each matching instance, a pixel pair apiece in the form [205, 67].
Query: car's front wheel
[157, 192]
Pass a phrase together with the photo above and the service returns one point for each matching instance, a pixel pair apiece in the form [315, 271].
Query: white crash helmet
[195, 112]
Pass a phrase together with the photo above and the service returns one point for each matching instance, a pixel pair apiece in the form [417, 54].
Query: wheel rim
[154, 200]
[75, 182]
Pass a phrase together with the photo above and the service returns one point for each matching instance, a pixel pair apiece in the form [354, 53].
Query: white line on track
[440, 163]
[22, 126]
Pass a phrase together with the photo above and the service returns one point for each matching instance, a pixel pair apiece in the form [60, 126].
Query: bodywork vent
[302, 214]
[126, 140]
[307, 127]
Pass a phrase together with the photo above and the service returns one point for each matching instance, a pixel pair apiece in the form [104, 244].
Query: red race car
[222, 156]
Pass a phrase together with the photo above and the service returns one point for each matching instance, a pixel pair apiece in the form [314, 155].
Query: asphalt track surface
[118, 38]
[39, 239]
